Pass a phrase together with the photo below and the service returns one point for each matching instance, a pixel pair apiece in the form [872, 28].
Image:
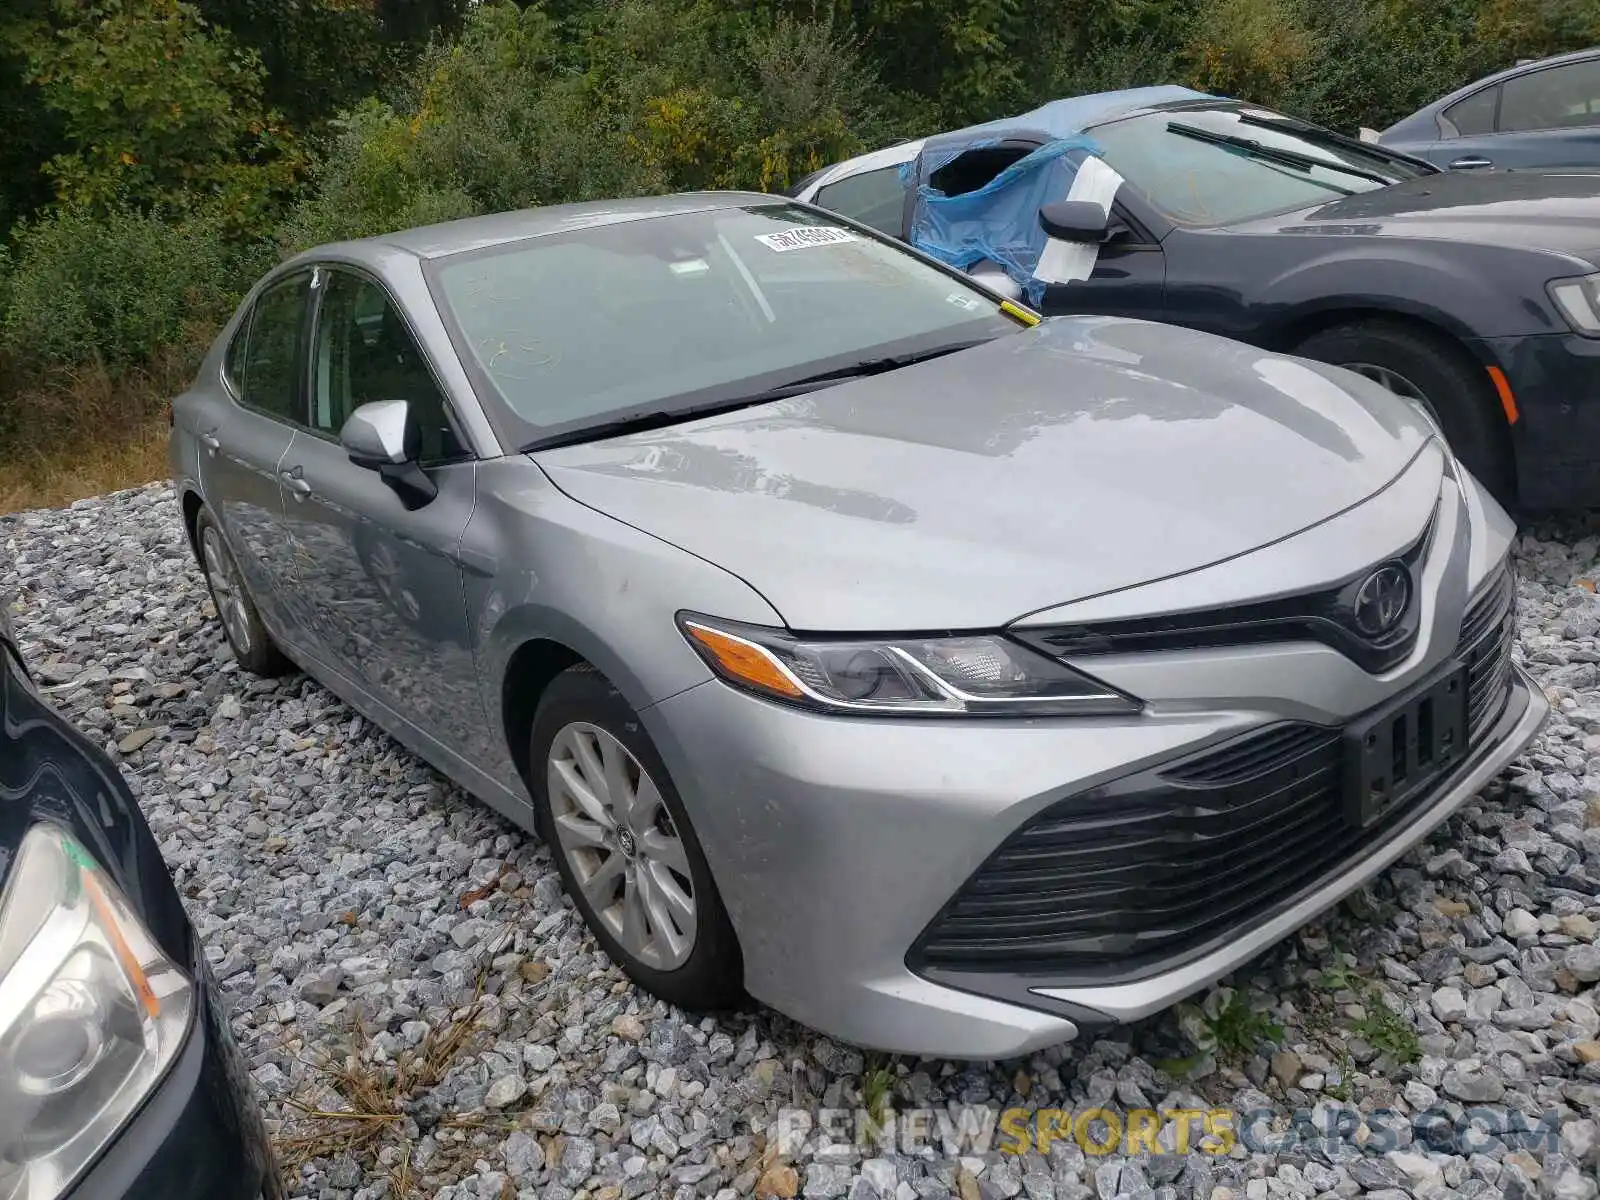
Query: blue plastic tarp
[1000, 221]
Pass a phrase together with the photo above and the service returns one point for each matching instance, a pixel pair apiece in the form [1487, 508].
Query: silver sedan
[953, 682]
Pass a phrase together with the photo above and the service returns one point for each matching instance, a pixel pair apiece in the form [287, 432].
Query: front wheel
[628, 857]
[1431, 369]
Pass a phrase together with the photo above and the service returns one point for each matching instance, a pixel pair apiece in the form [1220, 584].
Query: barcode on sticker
[801, 236]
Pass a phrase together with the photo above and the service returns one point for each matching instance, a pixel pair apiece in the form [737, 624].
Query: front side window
[1473, 116]
[272, 353]
[1178, 161]
[1555, 98]
[568, 329]
[875, 198]
[365, 352]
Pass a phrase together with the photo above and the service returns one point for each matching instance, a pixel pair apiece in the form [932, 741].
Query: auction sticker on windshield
[800, 236]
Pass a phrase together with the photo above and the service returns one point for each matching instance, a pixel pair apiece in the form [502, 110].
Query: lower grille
[1487, 632]
[1151, 866]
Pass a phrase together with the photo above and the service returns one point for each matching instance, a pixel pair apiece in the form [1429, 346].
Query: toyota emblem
[1382, 599]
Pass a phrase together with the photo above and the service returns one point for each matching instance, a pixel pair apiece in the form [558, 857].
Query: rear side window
[1555, 98]
[973, 169]
[1474, 115]
[875, 198]
[271, 356]
[233, 362]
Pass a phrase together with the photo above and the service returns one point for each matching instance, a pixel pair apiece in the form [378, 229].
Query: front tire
[1429, 367]
[628, 857]
[248, 638]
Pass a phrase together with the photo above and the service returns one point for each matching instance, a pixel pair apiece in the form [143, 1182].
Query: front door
[244, 430]
[383, 579]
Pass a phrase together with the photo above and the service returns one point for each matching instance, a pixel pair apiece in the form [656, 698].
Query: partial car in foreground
[1477, 294]
[119, 1078]
[953, 682]
[1543, 114]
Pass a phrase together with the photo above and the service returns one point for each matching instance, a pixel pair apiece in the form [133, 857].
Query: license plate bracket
[1393, 753]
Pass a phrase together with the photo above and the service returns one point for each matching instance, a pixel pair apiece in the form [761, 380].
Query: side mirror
[382, 436]
[379, 434]
[1074, 220]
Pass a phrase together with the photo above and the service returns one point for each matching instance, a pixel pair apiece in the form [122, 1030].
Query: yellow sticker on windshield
[1017, 313]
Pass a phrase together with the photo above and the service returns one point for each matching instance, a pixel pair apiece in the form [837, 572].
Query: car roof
[1058, 118]
[478, 233]
[1500, 76]
[1076, 114]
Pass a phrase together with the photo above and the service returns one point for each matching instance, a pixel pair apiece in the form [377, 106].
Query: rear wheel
[628, 857]
[1430, 368]
[248, 638]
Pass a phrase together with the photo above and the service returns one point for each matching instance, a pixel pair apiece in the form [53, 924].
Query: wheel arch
[528, 673]
[1307, 321]
[531, 645]
[192, 503]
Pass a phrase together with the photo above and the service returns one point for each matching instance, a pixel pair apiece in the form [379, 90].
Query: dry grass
[358, 1107]
[372, 1099]
[79, 433]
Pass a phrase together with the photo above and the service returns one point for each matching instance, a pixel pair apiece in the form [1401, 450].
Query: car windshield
[1181, 161]
[684, 311]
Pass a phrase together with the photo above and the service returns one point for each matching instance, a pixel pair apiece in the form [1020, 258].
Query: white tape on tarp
[1068, 262]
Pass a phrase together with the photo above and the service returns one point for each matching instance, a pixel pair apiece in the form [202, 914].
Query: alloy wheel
[227, 589]
[1391, 380]
[620, 841]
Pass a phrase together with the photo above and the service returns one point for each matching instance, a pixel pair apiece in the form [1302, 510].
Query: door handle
[211, 442]
[294, 480]
[1472, 161]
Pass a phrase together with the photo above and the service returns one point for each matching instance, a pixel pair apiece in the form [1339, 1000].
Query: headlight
[1579, 301]
[969, 675]
[91, 1014]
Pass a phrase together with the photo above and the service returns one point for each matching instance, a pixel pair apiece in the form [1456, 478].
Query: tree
[158, 109]
[33, 130]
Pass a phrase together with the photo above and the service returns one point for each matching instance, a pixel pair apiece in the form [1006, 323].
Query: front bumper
[1555, 378]
[856, 833]
[199, 1136]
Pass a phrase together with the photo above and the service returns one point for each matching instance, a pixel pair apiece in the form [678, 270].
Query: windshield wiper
[1271, 154]
[1340, 141]
[871, 366]
[642, 421]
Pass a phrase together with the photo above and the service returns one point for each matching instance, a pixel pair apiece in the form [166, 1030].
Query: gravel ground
[389, 945]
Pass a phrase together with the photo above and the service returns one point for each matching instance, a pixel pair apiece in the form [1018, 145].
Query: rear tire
[630, 863]
[247, 637]
[1443, 375]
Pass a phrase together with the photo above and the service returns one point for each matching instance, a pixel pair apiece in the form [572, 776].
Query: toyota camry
[953, 681]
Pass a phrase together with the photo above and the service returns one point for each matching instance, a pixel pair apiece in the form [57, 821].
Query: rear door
[383, 578]
[1548, 118]
[244, 429]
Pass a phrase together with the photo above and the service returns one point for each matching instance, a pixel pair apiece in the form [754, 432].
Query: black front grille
[1111, 882]
[1487, 632]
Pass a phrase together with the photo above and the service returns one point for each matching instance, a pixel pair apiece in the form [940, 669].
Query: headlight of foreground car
[91, 1014]
[1579, 301]
[969, 675]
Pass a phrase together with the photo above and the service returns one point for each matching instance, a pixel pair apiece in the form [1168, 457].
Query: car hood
[1543, 210]
[1081, 457]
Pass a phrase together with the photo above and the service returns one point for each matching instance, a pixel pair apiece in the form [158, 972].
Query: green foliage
[156, 109]
[1378, 1024]
[158, 150]
[117, 287]
[1224, 1023]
